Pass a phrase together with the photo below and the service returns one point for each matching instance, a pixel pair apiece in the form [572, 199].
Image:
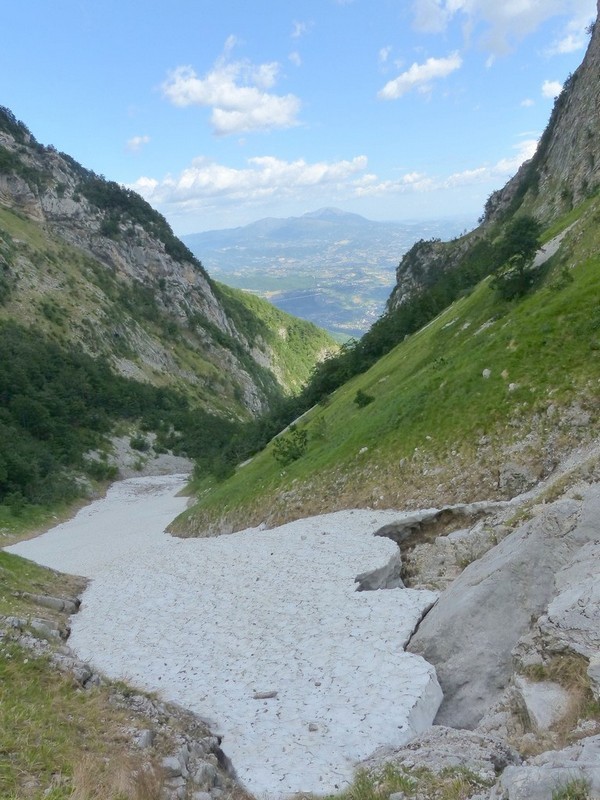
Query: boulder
[572, 621]
[470, 633]
[545, 702]
[593, 673]
[516, 478]
[543, 776]
[45, 628]
[171, 767]
[441, 748]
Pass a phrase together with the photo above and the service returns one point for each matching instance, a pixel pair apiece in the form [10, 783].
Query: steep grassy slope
[478, 404]
[295, 345]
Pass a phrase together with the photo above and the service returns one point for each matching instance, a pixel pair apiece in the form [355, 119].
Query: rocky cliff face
[153, 310]
[564, 171]
[566, 167]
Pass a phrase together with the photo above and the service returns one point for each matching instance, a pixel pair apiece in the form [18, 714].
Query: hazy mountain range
[328, 266]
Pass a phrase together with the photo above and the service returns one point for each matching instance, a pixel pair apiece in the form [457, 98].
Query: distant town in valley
[331, 267]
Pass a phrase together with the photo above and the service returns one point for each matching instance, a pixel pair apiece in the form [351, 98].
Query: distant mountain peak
[329, 212]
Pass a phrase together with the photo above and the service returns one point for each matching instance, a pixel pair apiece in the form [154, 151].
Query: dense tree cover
[58, 403]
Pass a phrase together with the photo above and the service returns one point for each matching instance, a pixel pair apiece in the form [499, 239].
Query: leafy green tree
[521, 241]
[521, 238]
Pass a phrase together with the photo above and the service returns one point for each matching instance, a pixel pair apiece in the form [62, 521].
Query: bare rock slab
[442, 748]
[545, 702]
[549, 772]
[470, 633]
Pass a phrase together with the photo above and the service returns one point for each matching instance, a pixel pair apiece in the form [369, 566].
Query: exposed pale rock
[206, 775]
[593, 673]
[45, 628]
[470, 632]
[442, 748]
[546, 703]
[547, 773]
[572, 621]
[171, 766]
[68, 605]
[516, 478]
[145, 739]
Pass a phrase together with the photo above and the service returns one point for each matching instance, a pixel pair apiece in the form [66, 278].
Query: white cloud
[551, 89]
[295, 58]
[527, 102]
[384, 54]
[300, 29]
[410, 182]
[263, 177]
[208, 190]
[502, 23]
[237, 92]
[501, 170]
[574, 36]
[420, 76]
[135, 144]
[431, 16]
[370, 186]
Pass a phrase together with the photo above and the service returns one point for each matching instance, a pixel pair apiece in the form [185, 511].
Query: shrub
[290, 447]
[363, 399]
[138, 442]
[101, 470]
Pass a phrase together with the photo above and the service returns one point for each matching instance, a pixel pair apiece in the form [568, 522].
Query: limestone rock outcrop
[470, 633]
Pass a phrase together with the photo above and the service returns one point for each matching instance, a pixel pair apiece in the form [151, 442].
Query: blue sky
[221, 113]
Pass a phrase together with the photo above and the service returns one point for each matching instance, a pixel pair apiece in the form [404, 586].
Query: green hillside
[489, 382]
[296, 345]
[109, 326]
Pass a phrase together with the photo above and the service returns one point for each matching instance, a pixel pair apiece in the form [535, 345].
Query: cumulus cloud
[420, 76]
[237, 92]
[574, 36]
[370, 186]
[262, 177]
[410, 182]
[502, 23]
[501, 170]
[208, 189]
[135, 144]
[551, 89]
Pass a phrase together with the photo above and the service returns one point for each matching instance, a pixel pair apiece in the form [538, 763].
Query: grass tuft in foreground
[456, 783]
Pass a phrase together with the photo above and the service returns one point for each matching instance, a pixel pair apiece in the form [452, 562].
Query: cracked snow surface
[261, 632]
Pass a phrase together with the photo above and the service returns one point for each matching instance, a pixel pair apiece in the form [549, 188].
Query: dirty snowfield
[261, 632]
